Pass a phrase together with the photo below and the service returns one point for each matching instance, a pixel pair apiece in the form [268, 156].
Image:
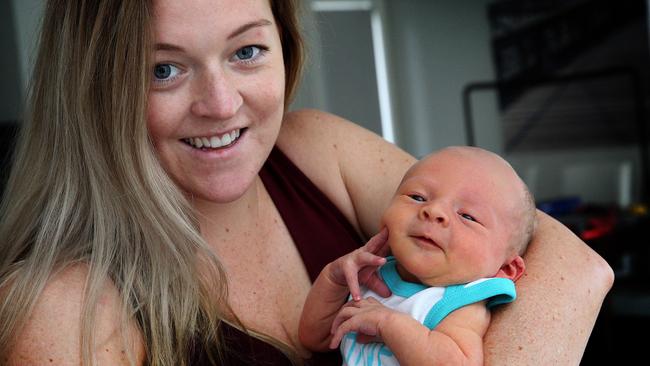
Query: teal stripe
[395, 283]
[498, 290]
[384, 351]
[352, 341]
[371, 353]
[361, 350]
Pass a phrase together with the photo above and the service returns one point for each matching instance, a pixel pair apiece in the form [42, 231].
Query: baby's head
[460, 214]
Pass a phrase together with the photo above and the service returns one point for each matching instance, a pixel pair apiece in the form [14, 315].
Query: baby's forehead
[472, 167]
[469, 154]
[460, 159]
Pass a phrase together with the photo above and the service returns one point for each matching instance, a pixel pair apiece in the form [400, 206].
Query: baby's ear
[513, 269]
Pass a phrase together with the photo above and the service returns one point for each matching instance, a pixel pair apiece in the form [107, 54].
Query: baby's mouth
[426, 241]
[215, 142]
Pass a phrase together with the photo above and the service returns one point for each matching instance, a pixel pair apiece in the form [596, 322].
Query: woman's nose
[435, 213]
[217, 97]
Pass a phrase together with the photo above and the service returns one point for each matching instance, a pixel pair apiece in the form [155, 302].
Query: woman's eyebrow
[244, 28]
[168, 47]
[247, 26]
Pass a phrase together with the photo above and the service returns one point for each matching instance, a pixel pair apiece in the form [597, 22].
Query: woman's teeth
[213, 142]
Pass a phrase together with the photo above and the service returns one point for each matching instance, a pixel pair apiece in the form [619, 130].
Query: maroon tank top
[321, 234]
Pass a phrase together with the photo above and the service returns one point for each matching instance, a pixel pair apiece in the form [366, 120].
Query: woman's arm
[559, 297]
[357, 169]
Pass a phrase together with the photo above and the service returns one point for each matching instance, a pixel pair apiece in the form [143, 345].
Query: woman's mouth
[215, 142]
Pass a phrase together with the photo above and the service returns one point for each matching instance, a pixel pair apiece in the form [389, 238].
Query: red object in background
[599, 227]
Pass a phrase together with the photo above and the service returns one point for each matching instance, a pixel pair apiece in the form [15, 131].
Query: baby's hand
[359, 267]
[364, 317]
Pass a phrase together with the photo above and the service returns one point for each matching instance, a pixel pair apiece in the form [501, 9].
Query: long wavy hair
[87, 188]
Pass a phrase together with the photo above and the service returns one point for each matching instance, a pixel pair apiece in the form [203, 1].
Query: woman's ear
[513, 269]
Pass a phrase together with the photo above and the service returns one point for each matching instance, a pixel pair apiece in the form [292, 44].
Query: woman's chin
[214, 195]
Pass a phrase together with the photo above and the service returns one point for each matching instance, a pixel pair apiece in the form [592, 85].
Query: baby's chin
[407, 276]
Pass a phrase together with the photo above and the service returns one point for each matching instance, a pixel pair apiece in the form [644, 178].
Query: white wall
[436, 48]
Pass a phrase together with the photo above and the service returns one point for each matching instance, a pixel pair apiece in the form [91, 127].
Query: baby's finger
[338, 335]
[364, 259]
[350, 325]
[347, 311]
[352, 279]
[336, 340]
[376, 284]
[377, 242]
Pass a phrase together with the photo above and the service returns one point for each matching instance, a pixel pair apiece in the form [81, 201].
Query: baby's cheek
[389, 223]
[386, 221]
[382, 221]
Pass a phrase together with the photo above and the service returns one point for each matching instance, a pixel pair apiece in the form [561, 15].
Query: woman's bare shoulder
[305, 130]
[356, 166]
[311, 133]
[319, 126]
[51, 334]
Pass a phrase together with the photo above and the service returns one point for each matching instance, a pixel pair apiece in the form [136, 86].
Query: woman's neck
[223, 221]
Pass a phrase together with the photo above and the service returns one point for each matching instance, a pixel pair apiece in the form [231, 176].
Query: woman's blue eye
[468, 217]
[417, 197]
[247, 53]
[165, 71]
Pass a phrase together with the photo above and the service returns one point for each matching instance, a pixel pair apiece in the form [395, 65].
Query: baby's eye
[417, 197]
[468, 217]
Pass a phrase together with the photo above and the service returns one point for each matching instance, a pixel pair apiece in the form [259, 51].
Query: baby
[457, 227]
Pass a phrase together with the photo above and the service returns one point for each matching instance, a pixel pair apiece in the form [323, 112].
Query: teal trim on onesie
[395, 283]
[428, 305]
[497, 290]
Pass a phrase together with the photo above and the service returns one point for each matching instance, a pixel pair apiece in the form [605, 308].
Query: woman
[147, 219]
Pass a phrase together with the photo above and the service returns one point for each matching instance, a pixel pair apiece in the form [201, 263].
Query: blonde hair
[527, 221]
[87, 188]
[286, 13]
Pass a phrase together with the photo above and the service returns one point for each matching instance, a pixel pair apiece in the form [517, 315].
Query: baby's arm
[334, 283]
[457, 340]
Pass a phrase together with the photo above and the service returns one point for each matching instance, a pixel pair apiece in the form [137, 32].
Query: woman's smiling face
[216, 99]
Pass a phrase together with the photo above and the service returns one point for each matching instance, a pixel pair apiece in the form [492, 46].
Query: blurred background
[560, 88]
